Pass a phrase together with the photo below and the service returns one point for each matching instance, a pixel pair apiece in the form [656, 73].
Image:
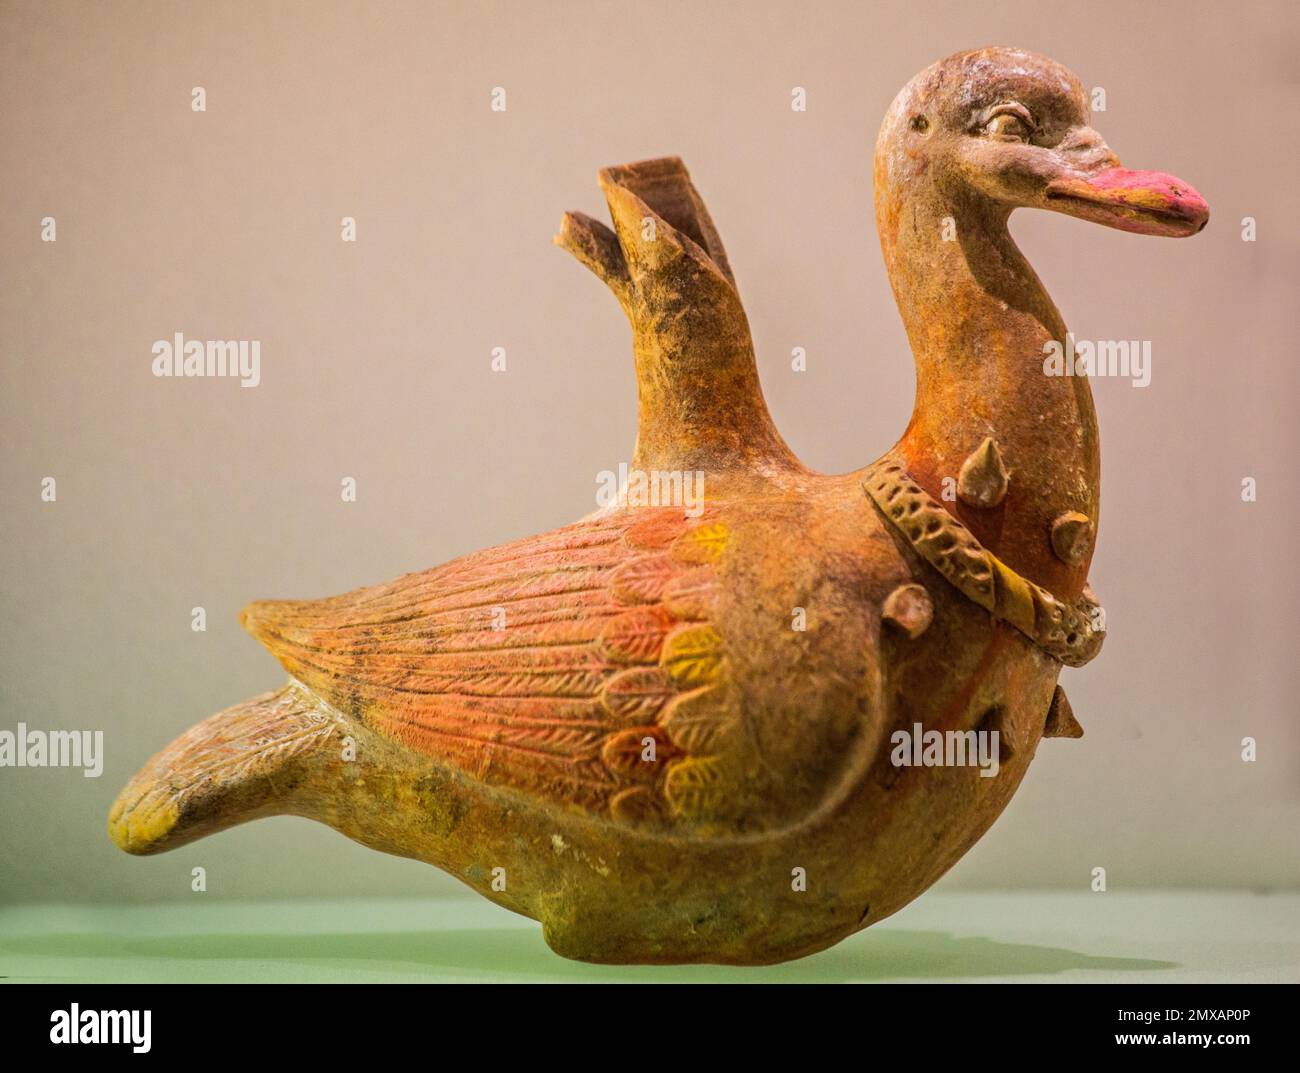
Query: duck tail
[241, 764]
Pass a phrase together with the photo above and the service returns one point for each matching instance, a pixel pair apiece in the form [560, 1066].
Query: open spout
[700, 403]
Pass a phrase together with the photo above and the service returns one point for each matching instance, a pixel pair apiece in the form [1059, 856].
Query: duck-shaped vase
[746, 709]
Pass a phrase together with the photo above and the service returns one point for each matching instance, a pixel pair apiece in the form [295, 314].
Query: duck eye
[1008, 125]
[920, 124]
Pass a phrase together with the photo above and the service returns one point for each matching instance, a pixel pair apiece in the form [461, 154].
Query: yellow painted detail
[1013, 598]
[692, 655]
[703, 544]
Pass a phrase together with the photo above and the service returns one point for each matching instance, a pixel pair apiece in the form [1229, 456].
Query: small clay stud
[910, 608]
[1072, 537]
[1061, 722]
[982, 481]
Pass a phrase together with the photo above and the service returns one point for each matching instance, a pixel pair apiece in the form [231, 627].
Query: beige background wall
[375, 365]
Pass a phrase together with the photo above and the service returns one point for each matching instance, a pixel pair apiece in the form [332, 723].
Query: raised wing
[581, 666]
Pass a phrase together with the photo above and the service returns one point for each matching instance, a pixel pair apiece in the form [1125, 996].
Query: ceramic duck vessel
[619, 728]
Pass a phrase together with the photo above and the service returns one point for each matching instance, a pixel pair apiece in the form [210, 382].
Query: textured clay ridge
[1065, 632]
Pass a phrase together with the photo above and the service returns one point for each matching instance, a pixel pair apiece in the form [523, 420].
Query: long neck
[978, 318]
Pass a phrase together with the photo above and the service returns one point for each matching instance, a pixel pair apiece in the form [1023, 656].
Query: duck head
[965, 143]
[1007, 129]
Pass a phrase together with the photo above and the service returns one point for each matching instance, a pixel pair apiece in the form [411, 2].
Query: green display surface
[1025, 936]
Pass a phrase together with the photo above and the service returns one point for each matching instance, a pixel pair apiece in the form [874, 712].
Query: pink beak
[1145, 202]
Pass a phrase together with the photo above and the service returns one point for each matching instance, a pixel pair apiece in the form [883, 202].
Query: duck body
[771, 757]
[682, 735]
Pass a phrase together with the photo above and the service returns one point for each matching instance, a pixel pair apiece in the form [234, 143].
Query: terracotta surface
[666, 734]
